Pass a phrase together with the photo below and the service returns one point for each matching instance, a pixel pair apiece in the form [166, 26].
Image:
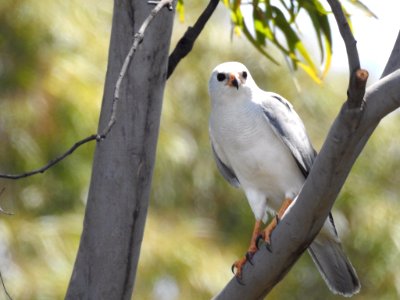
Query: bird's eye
[244, 74]
[221, 76]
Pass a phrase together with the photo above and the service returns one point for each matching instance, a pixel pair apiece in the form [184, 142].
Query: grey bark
[345, 141]
[117, 203]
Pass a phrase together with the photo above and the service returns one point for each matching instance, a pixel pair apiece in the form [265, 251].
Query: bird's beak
[233, 81]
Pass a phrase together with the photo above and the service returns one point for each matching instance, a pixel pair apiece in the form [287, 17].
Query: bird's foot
[271, 226]
[266, 240]
[238, 265]
[237, 268]
[266, 234]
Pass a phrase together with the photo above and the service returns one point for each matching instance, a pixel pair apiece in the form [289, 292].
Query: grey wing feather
[288, 126]
[227, 172]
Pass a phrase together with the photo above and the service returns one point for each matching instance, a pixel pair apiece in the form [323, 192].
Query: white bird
[260, 145]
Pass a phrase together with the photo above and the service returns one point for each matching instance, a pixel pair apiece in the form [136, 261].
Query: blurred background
[53, 58]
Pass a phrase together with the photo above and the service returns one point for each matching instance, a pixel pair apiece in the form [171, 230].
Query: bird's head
[230, 79]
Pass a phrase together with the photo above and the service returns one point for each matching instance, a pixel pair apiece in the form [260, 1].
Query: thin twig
[348, 38]
[358, 77]
[52, 162]
[4, 287]
[186, 42]
[138, 38]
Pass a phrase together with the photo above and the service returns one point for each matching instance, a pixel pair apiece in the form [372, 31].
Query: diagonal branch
[394, 59]
[138, 38]
[185, 44]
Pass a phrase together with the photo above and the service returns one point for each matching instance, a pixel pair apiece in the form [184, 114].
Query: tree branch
[52, 162]
[347, 35]
[358, 77]
[186, 42]
[392, 65]
[394, 59]
[138, 38]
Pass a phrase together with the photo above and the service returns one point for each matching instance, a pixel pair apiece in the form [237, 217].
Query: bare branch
[358, 77]
[186, 42]
[394, 59]
[4, 287]
[392, 65]
[347, 35]
[52, 162]
[138, 38]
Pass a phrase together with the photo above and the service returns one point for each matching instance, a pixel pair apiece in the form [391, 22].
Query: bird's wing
[225, 170]
[288, 126]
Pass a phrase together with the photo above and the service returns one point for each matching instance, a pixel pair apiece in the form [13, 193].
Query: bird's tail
[334, 266]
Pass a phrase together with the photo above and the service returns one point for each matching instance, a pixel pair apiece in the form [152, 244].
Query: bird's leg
[271, 226]
[238, 265]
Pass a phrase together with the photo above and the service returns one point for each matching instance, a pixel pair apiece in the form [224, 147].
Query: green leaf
[259, 25]
[253, 41]
[319, 19]
[294, 42]
[328, 57]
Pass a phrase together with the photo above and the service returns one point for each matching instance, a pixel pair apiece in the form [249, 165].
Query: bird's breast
[259, 158]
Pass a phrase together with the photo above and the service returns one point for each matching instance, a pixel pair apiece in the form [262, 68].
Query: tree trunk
[117, 204]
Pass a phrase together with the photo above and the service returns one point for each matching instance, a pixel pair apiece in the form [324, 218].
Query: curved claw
[238, 275]
[239, 280]
[249, 257]
[237, 269]
[268, 246]
[233, 269]
[277, 219]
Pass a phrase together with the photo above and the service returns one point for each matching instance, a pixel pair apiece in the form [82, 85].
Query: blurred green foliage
[278, 23]
[52, 67]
